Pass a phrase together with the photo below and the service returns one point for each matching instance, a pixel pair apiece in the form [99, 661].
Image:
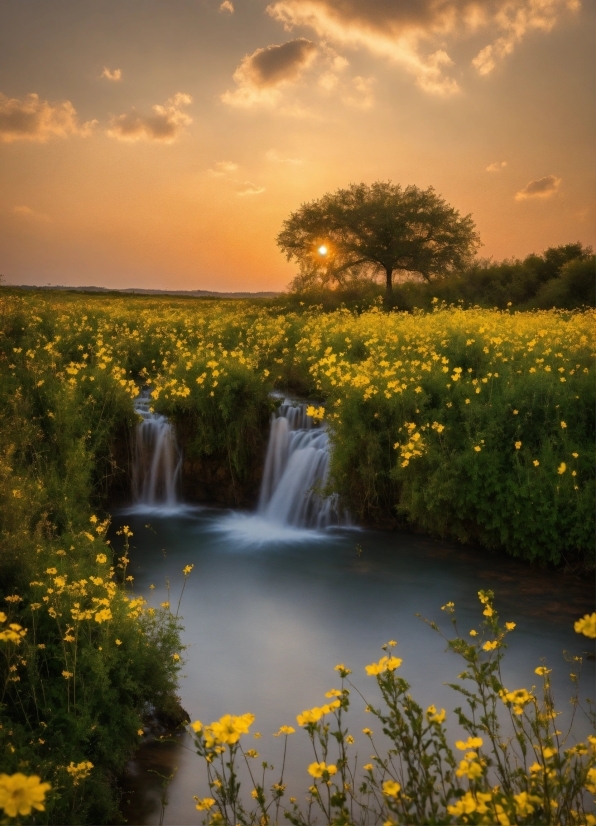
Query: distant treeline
[562, 277]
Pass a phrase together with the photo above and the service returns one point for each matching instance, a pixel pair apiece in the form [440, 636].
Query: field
[474, 424]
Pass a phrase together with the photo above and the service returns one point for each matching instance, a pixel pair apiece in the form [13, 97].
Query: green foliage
[74, 687]
[561, 277]
[373, 229]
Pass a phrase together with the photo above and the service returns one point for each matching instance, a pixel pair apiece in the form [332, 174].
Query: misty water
[271, 607]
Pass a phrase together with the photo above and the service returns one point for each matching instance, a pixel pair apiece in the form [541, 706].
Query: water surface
[268, 612]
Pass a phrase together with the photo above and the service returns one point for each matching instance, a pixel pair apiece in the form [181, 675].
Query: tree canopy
[378, 228]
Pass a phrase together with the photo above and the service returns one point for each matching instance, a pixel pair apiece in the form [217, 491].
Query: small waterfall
[157, 459]
[296, 468]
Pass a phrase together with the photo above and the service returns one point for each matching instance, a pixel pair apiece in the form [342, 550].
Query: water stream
[278, 597]
[296, 470]
[157, 460]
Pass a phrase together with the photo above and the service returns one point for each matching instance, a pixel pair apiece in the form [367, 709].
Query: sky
[162, 143]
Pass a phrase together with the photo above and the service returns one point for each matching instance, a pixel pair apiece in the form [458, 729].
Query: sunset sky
[161, 143]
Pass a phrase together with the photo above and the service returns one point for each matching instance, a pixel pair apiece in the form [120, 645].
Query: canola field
[475, 424]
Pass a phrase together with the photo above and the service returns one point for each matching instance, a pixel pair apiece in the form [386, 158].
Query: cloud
[30, 214]
[261, 74]
[164, 124]
[111, 74]
[412, 33]
[251, 189]
[222, 168]
[273, 156]
[227, 6]
[541, 188]
[496, 166]
[360, 93]
[33, 119]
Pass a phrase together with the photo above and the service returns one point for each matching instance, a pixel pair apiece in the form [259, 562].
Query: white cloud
[222, 168]
[33, 119]
[111, 74]
[274, 157]
[496, 166]
[540, 188]
[250, 189]
[359, 93]
[227, 6]
[261, 74]
[164, 124]
[30, 214]
[413, 33]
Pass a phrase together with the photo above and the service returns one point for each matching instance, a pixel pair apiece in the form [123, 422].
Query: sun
[322, 250]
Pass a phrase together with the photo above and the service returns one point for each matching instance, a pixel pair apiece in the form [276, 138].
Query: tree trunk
[389, 285]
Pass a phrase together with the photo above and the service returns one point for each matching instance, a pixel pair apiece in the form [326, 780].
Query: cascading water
[157, 459]
[296, 469]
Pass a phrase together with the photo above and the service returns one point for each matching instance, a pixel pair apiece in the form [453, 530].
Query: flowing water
[157, 460]
[296, 469]
[273, 604]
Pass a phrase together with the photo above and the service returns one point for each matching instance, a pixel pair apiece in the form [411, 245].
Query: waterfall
[296, 469]
[157, 459]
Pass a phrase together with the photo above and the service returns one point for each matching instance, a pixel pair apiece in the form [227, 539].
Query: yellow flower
[490, 646]
[523, 803]
[469, 768]
[591, 781]
[518, 445]
[473, 633]
[285, 730]
[563, 425]
[118, 642]
[368, 767]
[19, 794]
[435, 716]
[333, 693]
[510, 626]
[197, 726]
[204, 804]
[562, 468]
[586, 625]
[319, 769]
[140, 732]
[384, 664]
[67, 675]
[535, 462]
[187, 569]
[101, 558]
[391, 788]
[542, 671]
[471, 743]
[80, 771]
[367, 731]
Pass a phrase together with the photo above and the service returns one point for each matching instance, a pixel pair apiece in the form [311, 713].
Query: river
[271, 607]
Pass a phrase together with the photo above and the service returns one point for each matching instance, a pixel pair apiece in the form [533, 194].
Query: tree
[380, 228]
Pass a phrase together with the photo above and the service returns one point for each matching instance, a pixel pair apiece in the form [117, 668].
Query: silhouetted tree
[374, 229]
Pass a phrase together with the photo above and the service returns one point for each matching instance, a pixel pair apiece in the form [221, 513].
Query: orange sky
[161, 143]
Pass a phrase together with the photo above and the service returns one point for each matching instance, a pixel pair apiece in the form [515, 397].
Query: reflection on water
[267, 618]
